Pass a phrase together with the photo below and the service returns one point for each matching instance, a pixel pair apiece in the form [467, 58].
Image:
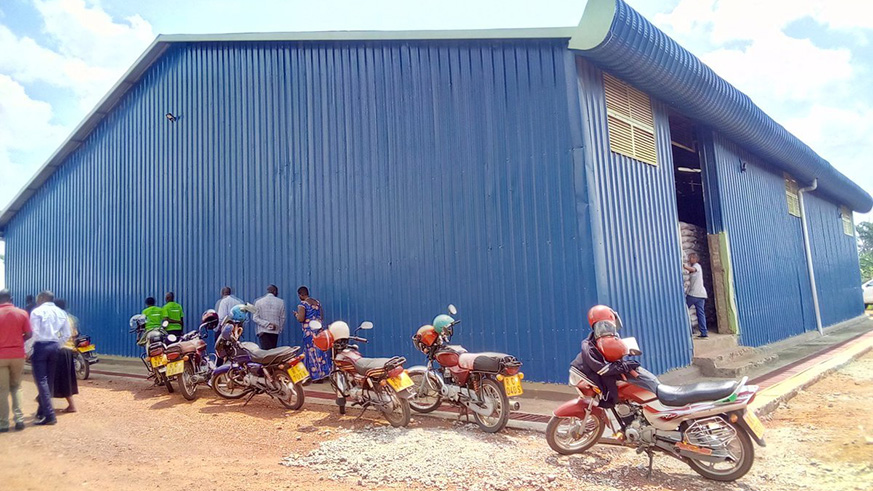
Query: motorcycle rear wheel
[566, 444]
[398, 413]
[741, 444]
[186, 382]
[490, 389]
[427, 396]
[83, 368]
[225, 386]
[293, 398]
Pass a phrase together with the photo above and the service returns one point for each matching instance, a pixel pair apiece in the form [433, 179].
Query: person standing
[225, 303]
[317, 362]
[695, 293]
[49, 324]
[173, 314]
[269, 317]
[63, 379]
[154, 315]
[14, 331]
[29, 304]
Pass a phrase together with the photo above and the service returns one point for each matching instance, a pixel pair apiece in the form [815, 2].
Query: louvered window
[848, 226]
[791, 196]
[630, 121]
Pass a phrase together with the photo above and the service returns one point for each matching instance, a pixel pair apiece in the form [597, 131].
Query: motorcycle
[168, 357]
[478, 382]
[708, 425]
[368, 382]
[249, 370]
[85, 355]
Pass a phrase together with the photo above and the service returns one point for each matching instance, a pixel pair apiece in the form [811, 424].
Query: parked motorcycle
[381, 383]
[706, 425]
[85, 355]
[249, 370]
[478, 382]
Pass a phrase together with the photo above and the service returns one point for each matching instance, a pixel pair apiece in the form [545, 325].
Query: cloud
[86, 51]
[817, 92]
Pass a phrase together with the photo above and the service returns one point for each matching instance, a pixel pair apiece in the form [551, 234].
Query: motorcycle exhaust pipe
[514, 406]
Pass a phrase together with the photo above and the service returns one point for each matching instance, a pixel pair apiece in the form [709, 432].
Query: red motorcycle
[381, 383]
[706, 425]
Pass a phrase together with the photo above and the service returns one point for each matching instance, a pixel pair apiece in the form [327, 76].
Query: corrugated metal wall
[835, 259]
[390, 177]
[636, 232]
[769, 264]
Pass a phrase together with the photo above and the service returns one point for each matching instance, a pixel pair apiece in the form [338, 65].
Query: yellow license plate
[512, 386]
[158, 361]
[400, 382]
[298, 372]
[85, 349]
[754, 423]
[175, 368]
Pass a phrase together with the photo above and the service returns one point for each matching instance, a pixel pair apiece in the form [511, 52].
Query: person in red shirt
[14, 331]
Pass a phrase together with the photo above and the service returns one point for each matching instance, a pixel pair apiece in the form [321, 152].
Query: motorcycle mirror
[165, 323]
[366, 325]
[172, 338]
[453, 310]
[315, 325]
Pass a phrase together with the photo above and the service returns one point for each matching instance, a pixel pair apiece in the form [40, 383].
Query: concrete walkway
[800, 363]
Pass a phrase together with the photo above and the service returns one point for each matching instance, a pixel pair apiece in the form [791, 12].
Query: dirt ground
[128, 435]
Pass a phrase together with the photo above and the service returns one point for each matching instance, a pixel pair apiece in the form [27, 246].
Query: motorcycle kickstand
[651, 455]
[253, 394]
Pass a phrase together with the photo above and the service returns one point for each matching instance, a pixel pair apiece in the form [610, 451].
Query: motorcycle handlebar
[360, 340]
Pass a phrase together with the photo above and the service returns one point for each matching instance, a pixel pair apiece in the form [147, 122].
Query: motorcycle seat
[457, 348]
[483, 362]
[682, 395]
[366, 365]
[270, 356]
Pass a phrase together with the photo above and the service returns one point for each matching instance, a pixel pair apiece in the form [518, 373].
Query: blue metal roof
[622, 41]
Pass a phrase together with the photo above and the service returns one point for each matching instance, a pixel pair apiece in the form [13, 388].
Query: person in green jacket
[154, 315]
[174, 315]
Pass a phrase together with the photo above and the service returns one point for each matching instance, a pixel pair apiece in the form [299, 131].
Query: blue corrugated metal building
[394, 173]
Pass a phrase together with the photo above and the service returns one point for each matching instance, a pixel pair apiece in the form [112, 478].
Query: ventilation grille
[791, 196]
[848, 226]
[630, 121]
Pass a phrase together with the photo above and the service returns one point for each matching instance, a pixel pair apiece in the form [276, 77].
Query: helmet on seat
[441, 322]
[237, 313]
[612, 348]
[209, 319]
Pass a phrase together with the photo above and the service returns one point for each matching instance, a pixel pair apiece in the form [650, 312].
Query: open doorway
[687, 172]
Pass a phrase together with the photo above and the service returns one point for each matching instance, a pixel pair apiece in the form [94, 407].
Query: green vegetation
[864, 232]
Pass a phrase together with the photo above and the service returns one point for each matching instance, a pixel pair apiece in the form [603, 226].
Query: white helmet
[339, 330]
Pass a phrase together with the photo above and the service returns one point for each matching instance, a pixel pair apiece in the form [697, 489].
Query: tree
[864, 232]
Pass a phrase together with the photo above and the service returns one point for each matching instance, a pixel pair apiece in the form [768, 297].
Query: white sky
[806, 62]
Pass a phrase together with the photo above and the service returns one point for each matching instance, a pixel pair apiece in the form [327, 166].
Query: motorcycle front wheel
[489, 389]
[427, 393]
[186, 382]
[742, 453]
[292, 394]
[225, 386]
[397, 412]
[83, 369]
[573, 435]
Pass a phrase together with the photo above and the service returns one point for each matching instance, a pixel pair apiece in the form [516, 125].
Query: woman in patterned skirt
[317, 362]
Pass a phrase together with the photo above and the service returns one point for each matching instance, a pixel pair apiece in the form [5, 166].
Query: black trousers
[268, 340]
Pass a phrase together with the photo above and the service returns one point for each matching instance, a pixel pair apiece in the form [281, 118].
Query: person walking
[317, 362]
[695, 293]
[173, 314]
[49, 324]
[63, 379]
[269, 317]
[154, 315]
[14, 331]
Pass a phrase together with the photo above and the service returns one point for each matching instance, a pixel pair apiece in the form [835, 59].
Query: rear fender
[745, 426]
[417, 369]
[577, 408]
[222, 369]
[404, 394]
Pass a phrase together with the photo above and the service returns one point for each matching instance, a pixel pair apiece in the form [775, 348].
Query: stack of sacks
[694, 240]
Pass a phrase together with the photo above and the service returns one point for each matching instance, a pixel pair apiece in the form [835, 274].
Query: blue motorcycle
[249, 370]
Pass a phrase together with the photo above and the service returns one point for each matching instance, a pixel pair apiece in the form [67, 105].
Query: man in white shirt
[225, 303]
[695, 294]
[49, 325]
[270, 317]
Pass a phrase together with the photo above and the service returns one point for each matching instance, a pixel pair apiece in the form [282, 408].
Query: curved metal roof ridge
[619, 39]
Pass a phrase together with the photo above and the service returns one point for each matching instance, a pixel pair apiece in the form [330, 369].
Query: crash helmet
[323, 340]
[209, 319]
[237, 314]
[137, 321]
[425, 337]
[605, 328]
[339, 330]
[441, 322]
[600, 313]
[612, 348]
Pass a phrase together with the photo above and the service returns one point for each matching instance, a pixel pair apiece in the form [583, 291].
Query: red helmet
[425, 337]
[323, 340]
[612, 348]
[600, 313]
